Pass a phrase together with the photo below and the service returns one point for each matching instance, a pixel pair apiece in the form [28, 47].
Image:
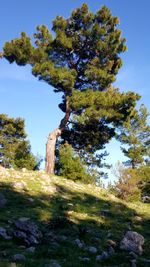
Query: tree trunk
[50, 151]
[51, 142]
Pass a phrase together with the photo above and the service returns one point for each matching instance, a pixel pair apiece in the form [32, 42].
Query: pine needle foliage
[80, 59]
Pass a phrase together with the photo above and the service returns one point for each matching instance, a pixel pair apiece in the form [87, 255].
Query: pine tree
[135, 134]
[81, 61]
[15, 150]
[70, 164]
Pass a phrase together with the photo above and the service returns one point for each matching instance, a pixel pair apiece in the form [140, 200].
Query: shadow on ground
[64, 218]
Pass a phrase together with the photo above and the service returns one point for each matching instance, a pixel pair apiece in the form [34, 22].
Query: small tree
[81, 61]
[135, 134]
[15, 150]
[71, 166]
[24, 158]
[144, 183]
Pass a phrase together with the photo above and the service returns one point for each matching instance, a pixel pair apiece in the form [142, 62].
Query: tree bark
[51, 142]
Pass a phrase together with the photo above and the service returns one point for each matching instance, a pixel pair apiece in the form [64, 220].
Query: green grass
[64, 208]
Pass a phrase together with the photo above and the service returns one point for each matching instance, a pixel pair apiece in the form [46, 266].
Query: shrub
[70, 165]
[144, 181]
[127, 185]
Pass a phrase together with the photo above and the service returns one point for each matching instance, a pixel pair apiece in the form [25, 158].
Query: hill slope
[52, 222]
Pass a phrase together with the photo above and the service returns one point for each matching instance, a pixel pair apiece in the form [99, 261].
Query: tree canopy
[80, 60]
[15, 149]
[135, 135]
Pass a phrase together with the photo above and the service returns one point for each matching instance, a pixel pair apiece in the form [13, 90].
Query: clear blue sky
[23, 95]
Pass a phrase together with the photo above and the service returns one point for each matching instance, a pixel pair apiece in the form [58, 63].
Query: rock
[19, 185]
[27, 231]
[30, 249]
[22, 247]
[3, 234]
[18, 258]
[109, 235]
[2, 169]
[24, 170]
[111, 250]
[79, 243]
[146, 199]
[103, 256]
[138, 219]
[92, 249]
[31, 199]
[53, 263]
[3, 201]
[132, 241]
[106, 213]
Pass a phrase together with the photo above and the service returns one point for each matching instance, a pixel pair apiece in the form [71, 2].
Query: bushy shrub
[127, 185]
[24, 158]
[70, 165]
[144, 181]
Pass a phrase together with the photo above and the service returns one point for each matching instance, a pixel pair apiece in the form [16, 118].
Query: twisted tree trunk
[51, 142]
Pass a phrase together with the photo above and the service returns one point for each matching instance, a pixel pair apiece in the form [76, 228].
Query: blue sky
[22, 95]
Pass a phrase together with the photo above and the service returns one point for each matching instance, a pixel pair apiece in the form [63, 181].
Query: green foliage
[144, 183]
[15, 150]
[70, 165]
[81, 61]
[135, 133]
[11, 134]
[24, 158]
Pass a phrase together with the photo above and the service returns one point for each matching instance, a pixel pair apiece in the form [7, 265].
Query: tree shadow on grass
[71, 222]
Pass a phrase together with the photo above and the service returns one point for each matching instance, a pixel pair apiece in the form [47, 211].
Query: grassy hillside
[77, 222]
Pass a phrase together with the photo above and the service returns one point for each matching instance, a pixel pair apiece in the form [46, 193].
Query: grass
[65, 211]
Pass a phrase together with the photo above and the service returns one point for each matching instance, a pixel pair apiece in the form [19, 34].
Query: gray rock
[106, 213]
[30, 249]
[103, 256]
[3, 234]
[27, 231]
[92, 249]
[132, 241]
[79, 243]
[31, 199]
[3, 201]
[111, 250]
[109, 235]
[18, 258]
[146, 199]
[53, 263]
